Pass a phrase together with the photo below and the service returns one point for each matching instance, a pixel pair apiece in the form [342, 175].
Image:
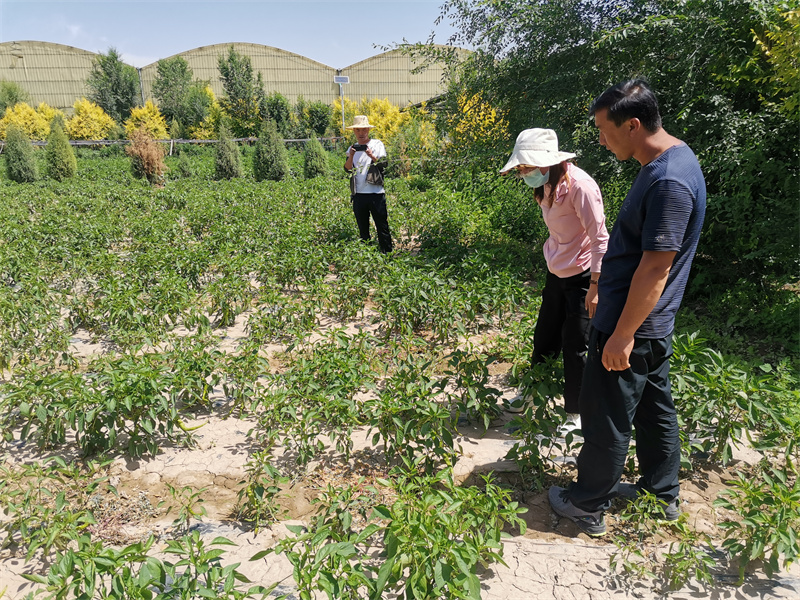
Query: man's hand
[617, 353]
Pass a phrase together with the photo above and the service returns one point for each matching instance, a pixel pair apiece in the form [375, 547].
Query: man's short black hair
[628, 100]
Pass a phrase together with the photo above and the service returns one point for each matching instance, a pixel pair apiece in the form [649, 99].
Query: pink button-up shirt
[577, 224]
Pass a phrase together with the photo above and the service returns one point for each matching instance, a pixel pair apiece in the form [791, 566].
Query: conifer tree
[270, 160]
[227, 161]
[59, 156]
[316, 159]
[20, 160]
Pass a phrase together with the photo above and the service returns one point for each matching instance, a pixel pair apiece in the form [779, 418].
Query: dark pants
[611, 403]
[365, 205]
[563, 326]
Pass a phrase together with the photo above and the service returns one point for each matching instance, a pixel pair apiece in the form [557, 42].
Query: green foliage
[315, 161]
[20, 160]
[538, 426]
[728, 100]
[113, 85]
[270, 160]
[99, 256]
[258, 498]
[275, 106]
[767, 519]
[190, 506]
[227, 160]
[408, 418]
[243, 93]
[690, 557]
[11, 93]
[47, 505]
[59, 156]
[476, 399]
[312, 118]
[433, 538]
[89, 570]
[721, 404]
[180, 98]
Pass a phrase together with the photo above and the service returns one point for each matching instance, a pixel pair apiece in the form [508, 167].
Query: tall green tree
[180, 97]
[244, 93]
[113, 85]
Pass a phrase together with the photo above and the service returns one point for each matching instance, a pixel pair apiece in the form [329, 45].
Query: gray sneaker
[591, 523]
[672, 511]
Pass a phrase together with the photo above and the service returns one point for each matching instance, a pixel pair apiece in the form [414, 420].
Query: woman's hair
[557, 173]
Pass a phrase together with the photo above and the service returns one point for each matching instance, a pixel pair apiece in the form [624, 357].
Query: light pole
[341, 80]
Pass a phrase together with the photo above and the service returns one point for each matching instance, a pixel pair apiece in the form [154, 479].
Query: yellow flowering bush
[90, 122]
[385, 116]
[476, 121]
[149, 118]
[27, 118]
[49, 113]
[207, 130]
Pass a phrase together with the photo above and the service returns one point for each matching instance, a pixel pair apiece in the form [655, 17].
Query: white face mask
[536, 178]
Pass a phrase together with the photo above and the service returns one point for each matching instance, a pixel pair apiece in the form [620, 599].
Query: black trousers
[365, 205]
[613, 403]
[563, 327]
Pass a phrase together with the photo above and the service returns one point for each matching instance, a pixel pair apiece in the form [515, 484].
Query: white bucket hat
[537, 148]
[360, 121]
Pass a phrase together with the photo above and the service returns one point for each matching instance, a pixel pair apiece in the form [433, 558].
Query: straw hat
[360, 121]
[537, 148]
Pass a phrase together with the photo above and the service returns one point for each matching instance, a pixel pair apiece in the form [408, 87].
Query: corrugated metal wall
[50, 73]
[290, 74]
[56, 74]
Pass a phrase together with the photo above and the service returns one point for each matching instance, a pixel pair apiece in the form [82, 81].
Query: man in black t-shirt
[643, 277]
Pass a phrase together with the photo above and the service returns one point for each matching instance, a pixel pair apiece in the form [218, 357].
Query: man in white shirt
[368, 198]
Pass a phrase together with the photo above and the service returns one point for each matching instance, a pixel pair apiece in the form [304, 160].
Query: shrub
[90, 122]
[312, 118]
[20, 161]
[276, 107]
[208, 128]
[59, 156]
[48, 113]
[149, 117]
[25, 117]
[270, 160]
[227, 161]
[316, 160]
[11, 94]
[147, 157]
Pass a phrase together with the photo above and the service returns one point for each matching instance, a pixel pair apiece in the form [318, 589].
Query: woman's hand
[591, 300]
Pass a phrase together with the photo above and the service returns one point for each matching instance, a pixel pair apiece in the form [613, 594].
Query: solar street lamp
[341, 80]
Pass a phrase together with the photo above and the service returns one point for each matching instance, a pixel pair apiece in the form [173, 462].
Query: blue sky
[337, 34]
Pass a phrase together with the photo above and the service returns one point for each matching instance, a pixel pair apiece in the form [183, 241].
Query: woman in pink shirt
[572, 207]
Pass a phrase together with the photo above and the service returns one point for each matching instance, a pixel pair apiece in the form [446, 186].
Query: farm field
[210, 372]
